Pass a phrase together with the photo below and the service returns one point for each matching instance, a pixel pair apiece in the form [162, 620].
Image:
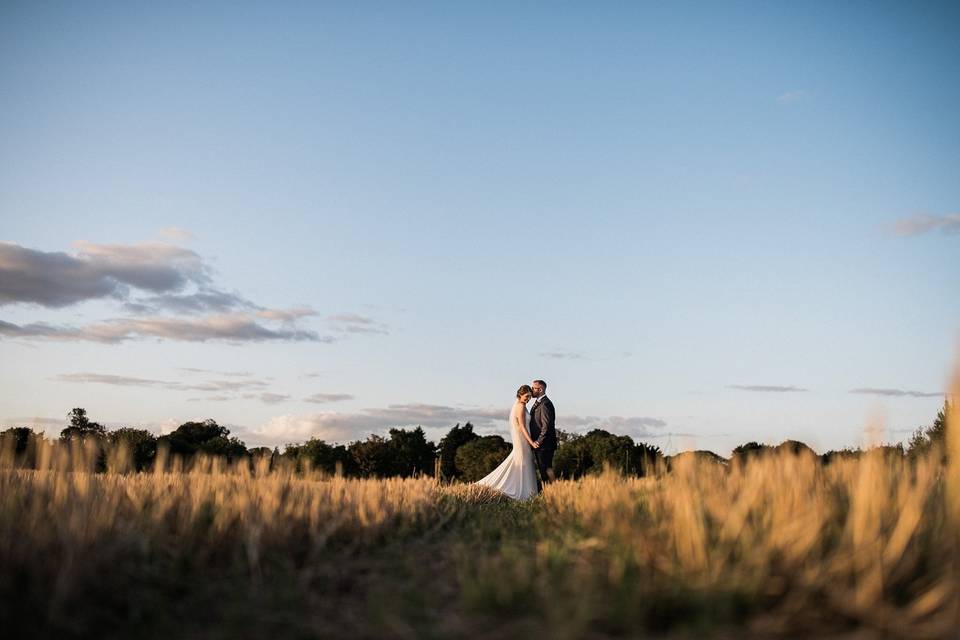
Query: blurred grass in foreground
[781, 545]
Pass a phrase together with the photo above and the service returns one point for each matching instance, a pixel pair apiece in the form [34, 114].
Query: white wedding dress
[517, 475]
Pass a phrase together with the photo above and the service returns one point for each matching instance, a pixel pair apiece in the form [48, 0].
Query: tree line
[460, 455]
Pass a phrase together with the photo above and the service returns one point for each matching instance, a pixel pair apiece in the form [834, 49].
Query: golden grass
[780, 546]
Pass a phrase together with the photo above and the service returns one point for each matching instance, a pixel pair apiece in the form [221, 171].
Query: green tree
[141, 443]
[926, 438]
[411, 453]
[321, 456]
[373, 457]
[22, 443]
[480, 456]
[203, 437]
[455, 438]
[581, 455]
[81, 427]
[745, 452]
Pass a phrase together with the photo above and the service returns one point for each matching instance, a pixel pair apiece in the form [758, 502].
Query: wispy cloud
[925, 223]
[130, 381]
[33, 421]
[354, 323]
[286, 315]
[176, 234]
[634, 426]
[205, 300]
[239, 374]
[766, 388]
[267, 397]
[231, 328]
[326, 398]
[560, 354]
[897, 393]
[794, 97]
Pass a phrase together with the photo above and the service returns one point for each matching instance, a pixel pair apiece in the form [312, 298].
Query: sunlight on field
[782, 544]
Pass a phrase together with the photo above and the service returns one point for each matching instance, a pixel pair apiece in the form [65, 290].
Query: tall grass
[779, 546]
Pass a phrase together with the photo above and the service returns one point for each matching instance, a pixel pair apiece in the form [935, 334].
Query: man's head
[539, 388]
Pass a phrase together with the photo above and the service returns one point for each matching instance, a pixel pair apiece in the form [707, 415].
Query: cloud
[160, 286]
[324, 398]
[766, 388]
[57, 279]
[562, 355]
[267, 397]
[240, 374]
[925, 223]
[634, 426]
[287, 315]
[794, 97]
[342, 427]
[206, 300]
[897, 393]
[129, 381]
[34, 421]
[231, 328]
[176, 233]
[353, 323]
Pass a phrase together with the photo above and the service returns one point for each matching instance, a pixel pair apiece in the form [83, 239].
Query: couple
[534, 438]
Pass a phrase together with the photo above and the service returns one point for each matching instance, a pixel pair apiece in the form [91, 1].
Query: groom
[543, 431]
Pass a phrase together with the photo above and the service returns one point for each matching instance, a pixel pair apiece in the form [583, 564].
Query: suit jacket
[543, 424]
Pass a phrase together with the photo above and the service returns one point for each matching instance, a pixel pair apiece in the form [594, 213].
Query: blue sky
[702, 224]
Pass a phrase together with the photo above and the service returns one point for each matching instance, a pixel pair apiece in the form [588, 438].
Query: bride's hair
[525, 389]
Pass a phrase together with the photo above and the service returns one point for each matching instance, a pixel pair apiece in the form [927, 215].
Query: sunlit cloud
[925, 223]
[435, 419]
[176, 234]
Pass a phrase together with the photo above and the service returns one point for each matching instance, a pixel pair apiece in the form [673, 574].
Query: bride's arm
[519, 421]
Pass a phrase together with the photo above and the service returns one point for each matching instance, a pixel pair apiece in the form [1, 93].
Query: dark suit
[543, 431]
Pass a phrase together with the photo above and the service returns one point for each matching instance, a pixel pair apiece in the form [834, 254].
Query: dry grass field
[782, 546]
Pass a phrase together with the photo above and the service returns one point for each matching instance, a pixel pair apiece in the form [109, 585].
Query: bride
[517, 476]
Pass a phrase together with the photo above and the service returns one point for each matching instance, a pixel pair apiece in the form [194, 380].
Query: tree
[203, 437]
[80, 427]
[89, 434]
[480, 456]
[411, 452]
[22, 443]
[141, 443]
[455, 438]
[581, 455]
[749, 450]
[321, 456]
[373, 457]
[926, 438]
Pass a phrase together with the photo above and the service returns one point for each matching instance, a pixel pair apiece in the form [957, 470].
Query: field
[782, 546]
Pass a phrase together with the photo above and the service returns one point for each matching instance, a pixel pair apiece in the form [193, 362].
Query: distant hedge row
[460, 455]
